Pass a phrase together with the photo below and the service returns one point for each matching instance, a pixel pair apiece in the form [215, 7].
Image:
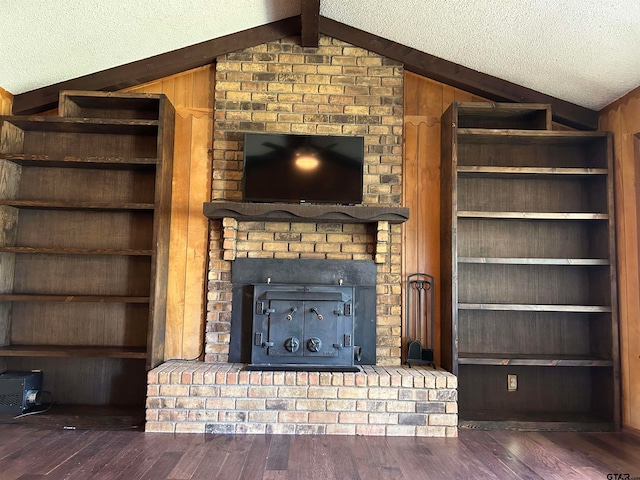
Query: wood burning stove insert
[303, 314]
[308, 326]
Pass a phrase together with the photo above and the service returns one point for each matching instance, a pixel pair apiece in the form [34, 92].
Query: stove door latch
[257, 340]
[344, 311]
[347, 343]
[260, 310]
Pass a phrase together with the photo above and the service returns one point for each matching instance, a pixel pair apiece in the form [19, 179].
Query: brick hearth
[197, 397]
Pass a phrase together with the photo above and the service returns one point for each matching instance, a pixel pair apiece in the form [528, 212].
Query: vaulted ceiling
[580, 53]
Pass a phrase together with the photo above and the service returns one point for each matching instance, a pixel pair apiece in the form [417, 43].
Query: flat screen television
[303, 168]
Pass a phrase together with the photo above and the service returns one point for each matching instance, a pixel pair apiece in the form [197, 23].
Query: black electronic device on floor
[19, 391]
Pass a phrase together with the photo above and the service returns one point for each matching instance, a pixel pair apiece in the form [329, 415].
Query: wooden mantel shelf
[304, 213]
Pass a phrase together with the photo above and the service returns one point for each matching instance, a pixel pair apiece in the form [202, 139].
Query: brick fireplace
[335, 89]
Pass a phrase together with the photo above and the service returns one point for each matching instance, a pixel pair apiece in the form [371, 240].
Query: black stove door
[302, 325]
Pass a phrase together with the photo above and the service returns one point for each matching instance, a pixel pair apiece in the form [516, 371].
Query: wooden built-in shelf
[535, 261]
[85, 244]
[533, 215]
[22, 297]
[509, 172]
[54, 205]
[532, 137]
[76, 251]
[78, 161]
[304, 213]
[528, 269]
[533, 421]
[465, 358]
[520, 307]
[72, 351]
[76, 103]
[534, 116]
[84, 125]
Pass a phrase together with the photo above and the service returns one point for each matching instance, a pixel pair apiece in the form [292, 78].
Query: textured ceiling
[581, 51]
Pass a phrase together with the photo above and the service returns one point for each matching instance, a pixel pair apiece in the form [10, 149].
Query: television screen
[303, 168]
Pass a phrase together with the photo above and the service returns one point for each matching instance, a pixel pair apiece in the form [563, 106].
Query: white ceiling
[581, 51]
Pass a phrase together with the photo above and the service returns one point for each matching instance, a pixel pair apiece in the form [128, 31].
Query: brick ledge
[199, 397]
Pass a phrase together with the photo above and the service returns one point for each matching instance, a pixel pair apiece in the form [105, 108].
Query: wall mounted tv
[303, 168]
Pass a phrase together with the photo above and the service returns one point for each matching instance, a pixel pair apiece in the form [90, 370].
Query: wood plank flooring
[31, 452]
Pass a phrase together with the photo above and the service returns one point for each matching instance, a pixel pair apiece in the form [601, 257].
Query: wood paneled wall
[424, 102]
[623, 119]
[191, 93]
[6, 101]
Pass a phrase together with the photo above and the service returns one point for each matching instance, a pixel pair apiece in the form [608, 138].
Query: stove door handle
[290, 315]
[318, 314]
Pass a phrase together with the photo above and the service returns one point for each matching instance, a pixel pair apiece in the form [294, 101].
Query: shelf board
[76, 251]
[535, 261]
[72, 161]
[533, 215]
[491, 171]
[532, 137]
[498, 359]
[533, 421]
[85, 417]
[55, 205]
[50, 123]
[22, 297]
[520, 307]
[72, 351]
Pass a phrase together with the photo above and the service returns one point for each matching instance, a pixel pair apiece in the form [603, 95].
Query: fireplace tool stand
[420, 306]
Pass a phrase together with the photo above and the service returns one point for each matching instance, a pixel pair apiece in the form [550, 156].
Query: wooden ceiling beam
[152, 68]
[464, 78]
[415, 61]
[309, 34]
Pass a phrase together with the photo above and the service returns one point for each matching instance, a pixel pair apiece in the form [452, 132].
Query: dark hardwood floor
[30, 452]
